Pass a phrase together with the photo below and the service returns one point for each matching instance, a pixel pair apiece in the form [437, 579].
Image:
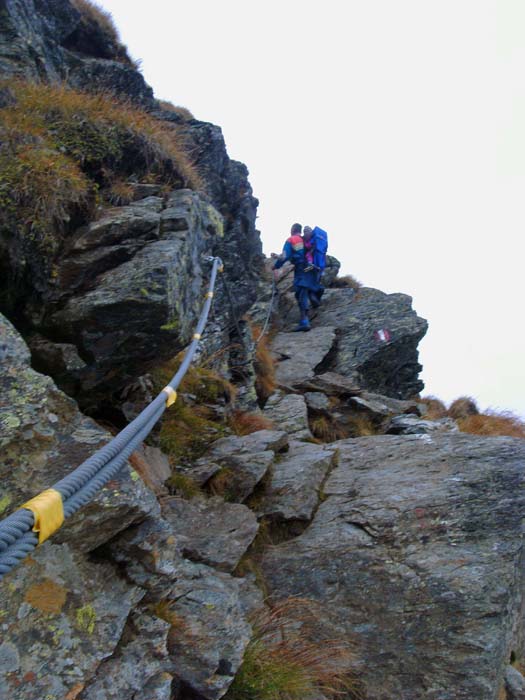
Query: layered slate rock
[207, 609]
[417, 553]
[246, 460]
[298, 354]
[288, 412]
[129, 290]
[293, 492]
[62, 616]
[43, 437]
[389, 367]
[212, 532]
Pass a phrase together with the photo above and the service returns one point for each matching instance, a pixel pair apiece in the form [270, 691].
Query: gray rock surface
[289, 413]
[211, 531]
[55, 629]
[330, 383]
[139, 667]
[412, 425]
[246, 460]
[514, 684]
[43, 437]
[207, 609]
[417, 553]
[298, 354]
[293, 492]
[129, 290]
[389, 368]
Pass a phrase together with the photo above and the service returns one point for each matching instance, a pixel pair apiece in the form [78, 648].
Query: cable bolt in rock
[172, 395]
[48, 512]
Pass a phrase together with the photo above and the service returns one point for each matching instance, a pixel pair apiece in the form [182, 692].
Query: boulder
[412, 425]
[514, 684]
[212, 531]
[386, 366]
[417, 554]
[299, 354]
[244, 461]
[207, 609]
[44, 437]
[294, 490]
[288, 411]
[61, 617]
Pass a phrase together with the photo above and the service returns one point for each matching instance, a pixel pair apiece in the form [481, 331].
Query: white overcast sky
[398, 126]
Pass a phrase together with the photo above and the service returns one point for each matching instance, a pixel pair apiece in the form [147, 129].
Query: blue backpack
[320, 240]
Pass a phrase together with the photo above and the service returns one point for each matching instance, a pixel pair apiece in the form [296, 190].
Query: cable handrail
[35, 521]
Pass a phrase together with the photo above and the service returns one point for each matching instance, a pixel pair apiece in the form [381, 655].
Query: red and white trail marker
[382, 335]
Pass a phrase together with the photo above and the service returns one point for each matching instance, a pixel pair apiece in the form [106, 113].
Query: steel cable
[17, 538]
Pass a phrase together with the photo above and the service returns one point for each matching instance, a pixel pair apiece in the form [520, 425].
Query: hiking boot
[304, 325]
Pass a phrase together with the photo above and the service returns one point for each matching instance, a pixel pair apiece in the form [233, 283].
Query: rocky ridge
[405, 532]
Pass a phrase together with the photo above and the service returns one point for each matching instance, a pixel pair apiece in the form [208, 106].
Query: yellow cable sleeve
[209, 295]
[197, 336]
[172, 395]
[48, 511]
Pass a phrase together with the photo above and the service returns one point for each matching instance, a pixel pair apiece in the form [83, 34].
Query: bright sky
[396, 126]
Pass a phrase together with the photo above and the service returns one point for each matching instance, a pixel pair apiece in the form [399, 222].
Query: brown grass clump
[265, 382]
[183, 485]
[346, 281]
[462, 408]
[59, 146]
[121, 192]
[183, 112]
[327, 430]
[191, 425]
[286, 661]
[245, 423]
[436, 409]
[493, 423]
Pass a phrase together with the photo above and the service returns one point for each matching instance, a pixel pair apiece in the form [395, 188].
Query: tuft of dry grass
[346, 281]
[190, 426]
[183, 112]
[244, 423]
[183, 485]
[463, 407]
[59, 146]
[264, 364]
[436, 409]
[285, 659]
[327, 430]
[121, 192]
[493, 423]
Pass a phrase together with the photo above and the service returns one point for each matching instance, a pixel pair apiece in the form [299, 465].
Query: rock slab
[417, 553]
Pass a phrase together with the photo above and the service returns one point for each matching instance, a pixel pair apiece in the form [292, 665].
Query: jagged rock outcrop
[359, 353]
[417, 553]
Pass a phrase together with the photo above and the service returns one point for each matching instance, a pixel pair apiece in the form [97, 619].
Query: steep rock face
[128, 290]
[417, 554]
[48, 40]
[383, 363]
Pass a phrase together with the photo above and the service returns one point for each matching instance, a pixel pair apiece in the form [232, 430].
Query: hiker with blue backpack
[308, 256]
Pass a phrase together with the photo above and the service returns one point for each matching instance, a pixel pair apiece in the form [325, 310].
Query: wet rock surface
[417, 552]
